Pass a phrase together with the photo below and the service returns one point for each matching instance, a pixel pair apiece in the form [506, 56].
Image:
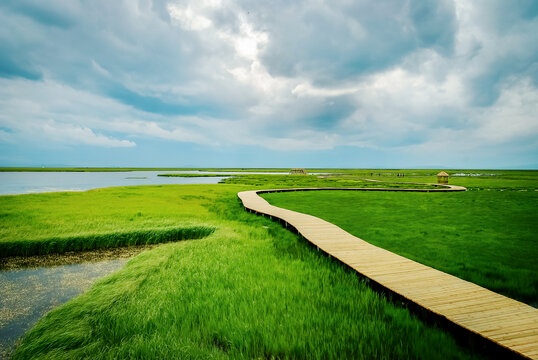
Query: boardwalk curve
[506, 322]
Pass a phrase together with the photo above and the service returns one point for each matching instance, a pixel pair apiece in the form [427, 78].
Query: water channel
[28, 293]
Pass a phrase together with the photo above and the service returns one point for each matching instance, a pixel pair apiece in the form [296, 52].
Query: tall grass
[102, 211]
[302, 181]
[63, 244]
[249, 290]
[486, 237]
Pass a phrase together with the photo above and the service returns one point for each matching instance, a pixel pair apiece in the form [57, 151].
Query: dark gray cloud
[404, 75]
[334, 41]
[126, 50]
[507, 46]
[435, 24]
[54, 13]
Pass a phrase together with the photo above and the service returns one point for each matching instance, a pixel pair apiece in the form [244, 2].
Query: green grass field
[249, 290]
[487, 237]
[302, 181]
[66, 221]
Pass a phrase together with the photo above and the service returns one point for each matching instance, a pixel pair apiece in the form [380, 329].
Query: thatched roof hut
[442, 178]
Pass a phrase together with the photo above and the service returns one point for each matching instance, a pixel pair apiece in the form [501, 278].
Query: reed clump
[62, 244]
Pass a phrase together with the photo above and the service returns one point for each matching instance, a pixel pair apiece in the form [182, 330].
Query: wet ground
[32, 286]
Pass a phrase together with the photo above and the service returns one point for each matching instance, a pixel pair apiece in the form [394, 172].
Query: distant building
[298, 172]
[442, 178]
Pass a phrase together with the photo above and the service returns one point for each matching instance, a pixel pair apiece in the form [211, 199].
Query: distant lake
[37, 182]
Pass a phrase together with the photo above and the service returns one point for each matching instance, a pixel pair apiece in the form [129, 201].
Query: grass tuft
[64, 244]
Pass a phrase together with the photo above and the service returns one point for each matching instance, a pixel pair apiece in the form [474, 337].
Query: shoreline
[72, 257]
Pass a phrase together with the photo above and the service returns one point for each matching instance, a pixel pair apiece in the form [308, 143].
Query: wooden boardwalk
[497, 318]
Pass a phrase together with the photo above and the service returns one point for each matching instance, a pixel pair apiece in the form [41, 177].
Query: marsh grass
[486, 237]
[302, 181]
[507, 182]
[194, 175]
[62, 244]
[102, 211]
[249, 290]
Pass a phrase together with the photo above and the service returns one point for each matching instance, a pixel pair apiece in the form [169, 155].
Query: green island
[242, 286]
[194, 175]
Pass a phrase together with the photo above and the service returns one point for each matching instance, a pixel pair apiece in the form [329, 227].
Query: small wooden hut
[442, 178]
[298, 172]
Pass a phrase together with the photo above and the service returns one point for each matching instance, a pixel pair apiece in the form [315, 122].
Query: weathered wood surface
[507, 322]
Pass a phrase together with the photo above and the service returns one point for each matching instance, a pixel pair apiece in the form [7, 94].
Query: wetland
[31, 286]
[237, 277]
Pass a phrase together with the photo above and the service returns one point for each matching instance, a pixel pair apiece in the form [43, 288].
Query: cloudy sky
[348, 83]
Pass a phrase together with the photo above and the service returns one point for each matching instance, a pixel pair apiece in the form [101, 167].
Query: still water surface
[26, 294]
[36, 182]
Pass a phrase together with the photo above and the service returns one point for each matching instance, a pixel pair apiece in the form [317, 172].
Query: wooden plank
[494, 309]
[523, 334]
[437, 298]
[493, 316]
[461, 299]
[426, 292]
[495, 329]
[532, 353]
[502, 320]
[524, 347]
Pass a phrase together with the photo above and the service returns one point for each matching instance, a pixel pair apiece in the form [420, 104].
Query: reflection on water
[12, 182]
[27, 294]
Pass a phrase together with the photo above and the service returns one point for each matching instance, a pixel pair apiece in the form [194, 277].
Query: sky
[248, 83]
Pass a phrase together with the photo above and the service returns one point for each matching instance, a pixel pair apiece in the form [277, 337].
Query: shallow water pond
[26, 294]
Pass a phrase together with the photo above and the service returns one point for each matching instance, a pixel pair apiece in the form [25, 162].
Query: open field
[250, 289]
[516, 181]
[487, 237]
[292, 181]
